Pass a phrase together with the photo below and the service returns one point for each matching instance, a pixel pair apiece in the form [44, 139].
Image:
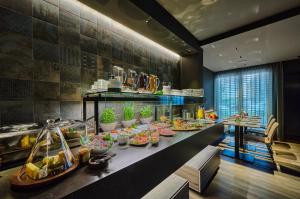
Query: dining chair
[270, 136]
[261, 137]
[262, 130]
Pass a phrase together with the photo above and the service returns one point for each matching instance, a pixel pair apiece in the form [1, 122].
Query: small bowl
[99, 162]
[128, 123]
[108, 126]
[147, 120]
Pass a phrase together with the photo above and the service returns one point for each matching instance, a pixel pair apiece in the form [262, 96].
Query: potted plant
[128, 112]
[146, 115]
[108, 119]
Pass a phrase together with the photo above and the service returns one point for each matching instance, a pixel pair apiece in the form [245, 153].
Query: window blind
[246, 89]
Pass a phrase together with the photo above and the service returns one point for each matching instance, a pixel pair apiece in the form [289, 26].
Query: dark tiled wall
[51, 51]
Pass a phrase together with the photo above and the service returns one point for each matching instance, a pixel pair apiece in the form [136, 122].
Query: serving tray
[21, 181]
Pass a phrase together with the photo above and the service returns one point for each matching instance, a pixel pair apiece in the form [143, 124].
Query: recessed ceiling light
[220, 54]
[148, 20]
[208, 2]
[255, 39]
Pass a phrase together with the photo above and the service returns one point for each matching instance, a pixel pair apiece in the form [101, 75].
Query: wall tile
[46, 90]
[16, 23]
[71, 110]
[104, 49]
[127, 58]
[70, 6]
[100, 68]
[70, 55]
[88, 44]
[46, 71]
[15, 45]
[69, 20]
[87, 14]
[70, 74]
[14, 112]
[23, 7]
[45, 11]
[44, 110]
[88, 76]
[14, 89]
[46, 51]
[15, 67]
[69, 37]
[117, 47]
[88, 60]
[88, 28]
[54, 2]
[70, 91]
[45, 31]
[107, 68]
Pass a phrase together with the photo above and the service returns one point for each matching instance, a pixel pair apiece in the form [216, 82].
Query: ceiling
[126, 13]
[272, 43]
[207, 18]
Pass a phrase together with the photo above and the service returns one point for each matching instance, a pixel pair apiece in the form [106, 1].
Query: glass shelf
[159, 100]
[143, 97]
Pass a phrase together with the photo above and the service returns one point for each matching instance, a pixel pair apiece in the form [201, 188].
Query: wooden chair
[261, 137]
[262, 130]
[270, 136]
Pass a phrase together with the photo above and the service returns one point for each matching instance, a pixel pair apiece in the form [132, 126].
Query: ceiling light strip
[129, 31]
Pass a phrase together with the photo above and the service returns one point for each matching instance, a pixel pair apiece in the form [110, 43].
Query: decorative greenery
[146, 112]
[108, 115]
[128, 112]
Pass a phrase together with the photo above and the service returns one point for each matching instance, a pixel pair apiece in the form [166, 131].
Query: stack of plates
[198, 92]
[187, 92]
[176, 92]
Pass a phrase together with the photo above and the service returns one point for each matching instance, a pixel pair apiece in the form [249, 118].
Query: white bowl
[146, 120]
[108, 126]
[128, 123]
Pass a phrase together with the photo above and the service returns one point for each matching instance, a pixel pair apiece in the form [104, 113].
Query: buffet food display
[48, 148]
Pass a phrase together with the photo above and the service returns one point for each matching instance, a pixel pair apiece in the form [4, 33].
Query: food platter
[21, 181]
[166, 132]
[185, 129]
[161, 125]
[138, 143]
[140, 139]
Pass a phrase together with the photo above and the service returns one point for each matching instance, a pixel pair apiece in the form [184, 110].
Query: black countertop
[131, 173]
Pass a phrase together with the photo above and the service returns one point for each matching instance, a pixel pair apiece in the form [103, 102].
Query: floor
[240, 180]
[254, 152]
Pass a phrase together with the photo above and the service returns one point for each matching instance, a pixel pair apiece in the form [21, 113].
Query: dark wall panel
[51, 51]
[191, 71]
[208, 85]
[291, 99]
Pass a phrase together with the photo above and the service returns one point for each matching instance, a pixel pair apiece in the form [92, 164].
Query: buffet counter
[132, 173]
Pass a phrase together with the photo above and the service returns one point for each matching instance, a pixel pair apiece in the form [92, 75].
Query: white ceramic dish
[128, 123]
[108, 126]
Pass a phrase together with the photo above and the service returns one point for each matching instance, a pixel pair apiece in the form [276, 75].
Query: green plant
[128, 112]
[108, 115]
[146, 112]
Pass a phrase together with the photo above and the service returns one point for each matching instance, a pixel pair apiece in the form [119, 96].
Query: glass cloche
[50, 158]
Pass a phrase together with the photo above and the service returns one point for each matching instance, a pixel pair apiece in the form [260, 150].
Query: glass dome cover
[49, 159]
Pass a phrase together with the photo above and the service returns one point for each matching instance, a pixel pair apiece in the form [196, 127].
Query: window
[246, 89]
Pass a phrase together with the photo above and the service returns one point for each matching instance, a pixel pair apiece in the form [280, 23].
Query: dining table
[241, 124]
